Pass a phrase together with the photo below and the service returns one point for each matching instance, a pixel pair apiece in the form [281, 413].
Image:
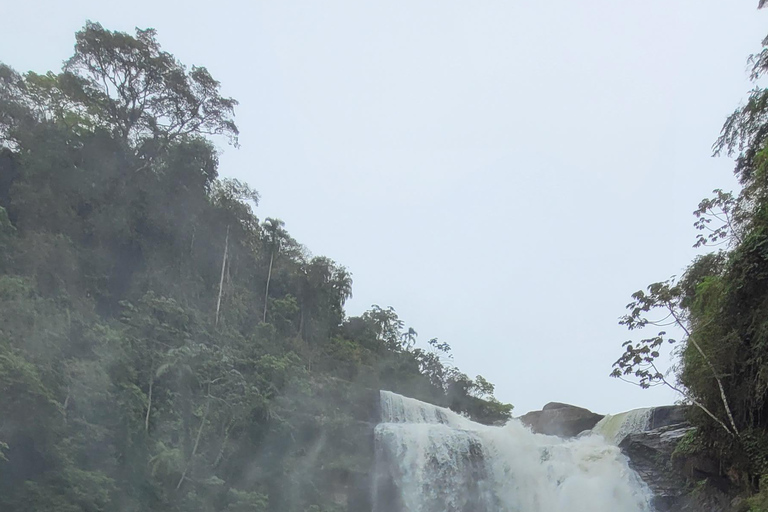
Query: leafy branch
[639, 359]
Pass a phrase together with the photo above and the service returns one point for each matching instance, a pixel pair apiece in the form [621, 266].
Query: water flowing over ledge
[615, 427]
[430, 459]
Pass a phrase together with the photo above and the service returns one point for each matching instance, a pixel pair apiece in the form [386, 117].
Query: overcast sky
[504, 173]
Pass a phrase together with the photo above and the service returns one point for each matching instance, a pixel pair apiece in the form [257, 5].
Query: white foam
[440, 461]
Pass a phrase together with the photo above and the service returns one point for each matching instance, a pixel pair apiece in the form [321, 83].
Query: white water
[430, 459]
[615, 427]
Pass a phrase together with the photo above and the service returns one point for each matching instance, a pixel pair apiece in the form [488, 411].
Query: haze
[505, 174]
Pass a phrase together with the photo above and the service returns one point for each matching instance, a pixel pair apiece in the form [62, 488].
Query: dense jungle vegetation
[161, 347]
[720, 307]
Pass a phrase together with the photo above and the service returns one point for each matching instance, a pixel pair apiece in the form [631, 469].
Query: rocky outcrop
[557, 419]
[667, 415]
[680, 483]
[650, 454]
[707, 498]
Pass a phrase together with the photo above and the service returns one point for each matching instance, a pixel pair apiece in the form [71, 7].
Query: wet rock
[684, 483]
[558, 419]
[650, 454]
[667, 415]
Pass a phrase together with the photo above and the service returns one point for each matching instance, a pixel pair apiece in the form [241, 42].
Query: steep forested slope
[161, 348]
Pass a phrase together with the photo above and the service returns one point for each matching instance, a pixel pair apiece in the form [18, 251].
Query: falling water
[615, 427]
[430, 459]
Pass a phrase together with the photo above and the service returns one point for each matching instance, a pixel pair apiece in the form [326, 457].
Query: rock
[650, 455]
[667, 415]
[551, 406]
[707, 499]
[557, 419]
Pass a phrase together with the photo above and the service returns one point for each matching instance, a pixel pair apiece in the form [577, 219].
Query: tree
[221, 280]
[388, 327]
[721, 303]
[640, 357]
[7, 235]
[141, 93]
[724, 209]
[275, 235]
[324, 289]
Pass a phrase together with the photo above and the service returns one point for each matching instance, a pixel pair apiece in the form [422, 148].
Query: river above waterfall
[430, 459]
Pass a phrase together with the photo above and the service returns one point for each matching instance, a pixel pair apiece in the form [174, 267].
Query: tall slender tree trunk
[221, 280]
[227, 431]
[66, 404]
[712, 369]
[197, 443]
[192, 243]
[266, 289]
[723, 398]
[149, 404]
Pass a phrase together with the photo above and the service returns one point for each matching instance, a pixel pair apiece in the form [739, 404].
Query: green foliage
[692, 443]
[130, 86]
[161, 349]
[639, 359]
[759, 501]
[241, 501]
[7, 232]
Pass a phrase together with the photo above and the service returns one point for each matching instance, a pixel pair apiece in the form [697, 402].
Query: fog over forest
[320, 259]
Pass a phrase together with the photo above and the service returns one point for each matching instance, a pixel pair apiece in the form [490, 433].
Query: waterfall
[615, 427]
[430, 459]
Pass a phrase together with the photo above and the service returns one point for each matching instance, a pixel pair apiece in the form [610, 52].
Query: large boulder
[557, 419]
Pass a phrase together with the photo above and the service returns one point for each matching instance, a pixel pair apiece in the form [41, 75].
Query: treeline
[161, 348]
[720, 308]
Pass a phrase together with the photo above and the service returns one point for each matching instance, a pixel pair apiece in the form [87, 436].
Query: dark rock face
[707, 499]
[667, 415]
[650, 454]
[557, 419]
[670, 480]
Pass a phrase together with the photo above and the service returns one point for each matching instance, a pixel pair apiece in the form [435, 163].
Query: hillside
[161, 346]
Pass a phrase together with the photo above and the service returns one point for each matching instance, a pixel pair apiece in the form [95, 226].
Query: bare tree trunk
[66, 404]
[197, 443]
[220, 456]
[192, 243]
[149, 404]
[719, 385]
[266, 290]
[711, 367]
[221, 280]
[699, 405]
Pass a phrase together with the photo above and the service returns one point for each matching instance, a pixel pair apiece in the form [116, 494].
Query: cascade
[615, 427]
[430, 459]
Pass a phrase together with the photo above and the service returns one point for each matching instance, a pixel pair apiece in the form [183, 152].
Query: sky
[503, 173]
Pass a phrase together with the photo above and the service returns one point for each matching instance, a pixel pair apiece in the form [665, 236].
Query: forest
[164, 348]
